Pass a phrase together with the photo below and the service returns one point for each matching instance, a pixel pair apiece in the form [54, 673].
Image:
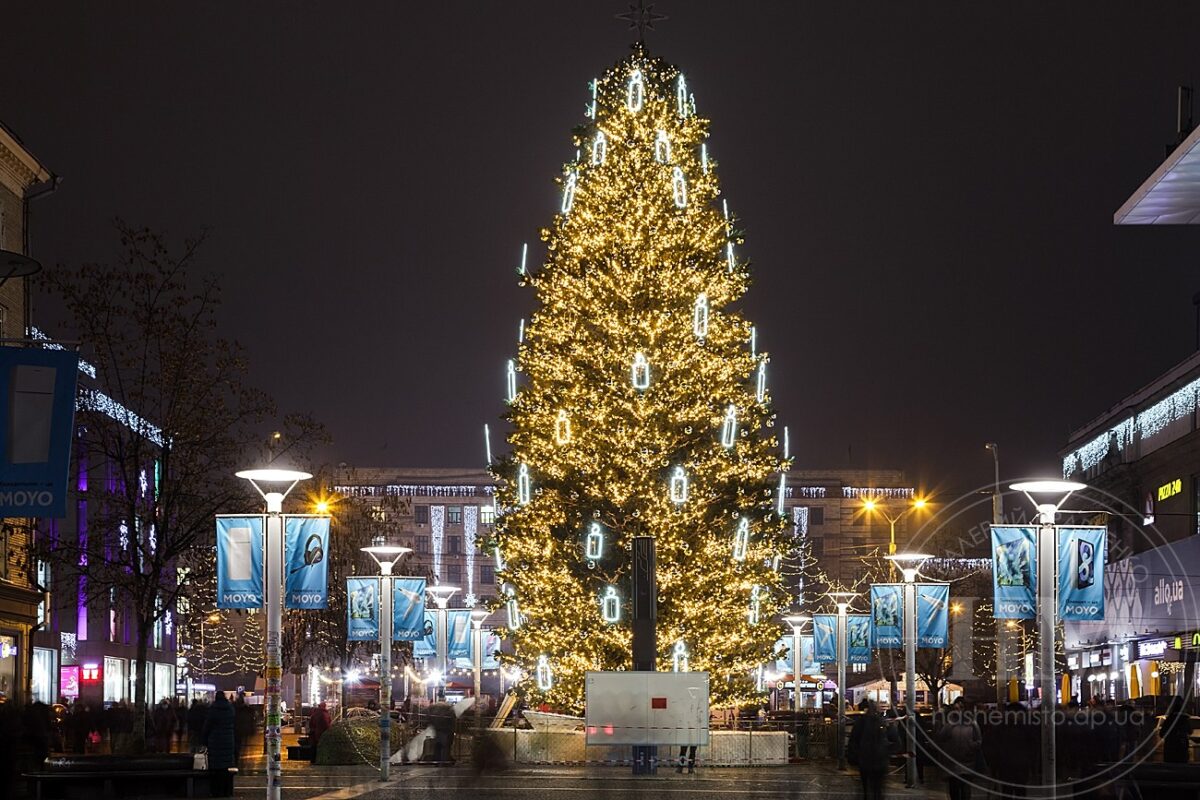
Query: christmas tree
[639, 406]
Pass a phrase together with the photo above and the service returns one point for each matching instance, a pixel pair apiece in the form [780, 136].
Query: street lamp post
[386, 557]
[441, 594]
[842, 599]
[1001, 636]
[796, 620]
[1047, 589]
[909, 564]
[478, 615]
[873, 505]
[273, 729]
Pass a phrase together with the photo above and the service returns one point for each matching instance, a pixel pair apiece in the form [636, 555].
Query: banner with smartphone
[306, 543]
[825, 638]
[887, 614]
[362, 609]
[1014, 571]
[933, 615]
[37, 411]
[1081, 557]
[426, 646]
[459, 625]
[239, 561]
[408, 609]
[858, 638]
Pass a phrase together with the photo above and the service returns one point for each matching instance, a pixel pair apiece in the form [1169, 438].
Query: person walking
[960, 741]
[196, 714]
[164, 726]
[687, 757]
[218, 738]
[871, 743]
[442, 719]
[1176, 731]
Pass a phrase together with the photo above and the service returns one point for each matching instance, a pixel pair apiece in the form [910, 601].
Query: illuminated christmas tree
[639, 406]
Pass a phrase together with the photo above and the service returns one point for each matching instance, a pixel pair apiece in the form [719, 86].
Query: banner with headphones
[426, 646]
[239, 562]
[306, 543]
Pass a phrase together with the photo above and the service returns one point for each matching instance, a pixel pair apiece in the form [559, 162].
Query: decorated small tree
[639, 405]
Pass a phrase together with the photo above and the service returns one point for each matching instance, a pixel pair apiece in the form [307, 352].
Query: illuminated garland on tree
[644, 411]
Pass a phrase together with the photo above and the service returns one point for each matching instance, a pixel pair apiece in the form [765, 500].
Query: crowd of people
[1001, 747]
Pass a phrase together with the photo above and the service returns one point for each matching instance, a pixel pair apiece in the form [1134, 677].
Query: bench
[1155, 779]
[304, 751]
[88, 776]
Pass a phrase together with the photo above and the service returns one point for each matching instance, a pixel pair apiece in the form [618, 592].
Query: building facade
[22, 176]
[1141, 459]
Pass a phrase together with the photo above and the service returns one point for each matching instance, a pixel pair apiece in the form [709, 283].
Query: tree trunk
[137, 739]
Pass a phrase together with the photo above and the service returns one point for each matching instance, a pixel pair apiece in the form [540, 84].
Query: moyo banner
[1014, 571]
[239, 562]
[1081, 557]
[37, 411]
[306, 541]
[933, 614]
[408, 609]
[459, 624]
[825, 638]
[787, 662]
[362, 609]
[887, 606]
[426, 646]
[858, 638]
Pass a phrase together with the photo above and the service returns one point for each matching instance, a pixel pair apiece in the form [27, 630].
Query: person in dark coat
[871, 742]
[164, 726]
[442, 719]
[196, 714]
[243, 725]
[218, 737]
[318, 723]
[1176, 731]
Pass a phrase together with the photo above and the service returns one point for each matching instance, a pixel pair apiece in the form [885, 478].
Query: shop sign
[1151, 648]
[1170, 489]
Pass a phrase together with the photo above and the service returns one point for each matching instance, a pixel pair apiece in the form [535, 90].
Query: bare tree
[168, 420]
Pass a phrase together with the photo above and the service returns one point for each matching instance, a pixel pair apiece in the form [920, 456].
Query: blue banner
[362, 609]
[306, 550]
[887, 615]
[825, 638]
[426, 646]
[858, 638]
[459, 624]
[933, 615]
[787, 663]
[808, 664]
[408, 609]
[1014, 571]
[37, 412]
[239, 562]
[491, 650]
[1081, 557]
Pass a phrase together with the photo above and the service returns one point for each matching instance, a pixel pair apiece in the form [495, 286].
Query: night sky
[927, 191]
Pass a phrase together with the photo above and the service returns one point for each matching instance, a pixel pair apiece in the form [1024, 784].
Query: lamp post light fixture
[910, 564]
[273, 480]
[872, 505]
[796, 621]
[386, 557]
[1047, 612]
[478, 615]
[842, 599]
[441, 594]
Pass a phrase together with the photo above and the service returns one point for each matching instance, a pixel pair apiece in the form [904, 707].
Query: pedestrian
[218, 738]
[1176, 731]
[687, 755]
[871, 743]
[196, 714]
[244, 726]
[960, 741]
[442, 719]
[164, 726]
[318, 723]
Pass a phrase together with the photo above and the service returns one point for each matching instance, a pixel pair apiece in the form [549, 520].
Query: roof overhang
[1171, 195]
[21, 164]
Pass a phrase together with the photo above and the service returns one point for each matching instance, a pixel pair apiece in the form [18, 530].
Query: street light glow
[920, 502]
[869, 504]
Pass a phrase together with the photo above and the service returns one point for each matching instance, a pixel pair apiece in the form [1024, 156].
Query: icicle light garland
[800, 521]
[1183, 402]
[470, 533]
[437, 535]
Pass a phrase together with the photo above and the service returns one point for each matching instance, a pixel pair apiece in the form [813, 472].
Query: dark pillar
[645, 645]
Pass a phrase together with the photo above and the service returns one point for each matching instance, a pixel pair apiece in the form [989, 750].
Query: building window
[1196, 501]
[454, 515]
[454, 573]
[816, 515]
[421, 515]
[423, 541]
[487, 515]
[45, 668]
[487, 574]
[453, 544]
[3, 320]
